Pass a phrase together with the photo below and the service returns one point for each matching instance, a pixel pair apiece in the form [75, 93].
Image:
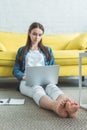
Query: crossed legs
[52, 98]
[58, 102]
[63, 106]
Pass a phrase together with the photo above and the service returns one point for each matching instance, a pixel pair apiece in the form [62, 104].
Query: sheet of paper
[11, 101]
[16, 101]
[3, 101]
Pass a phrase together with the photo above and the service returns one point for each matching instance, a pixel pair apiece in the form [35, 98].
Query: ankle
[55, 106]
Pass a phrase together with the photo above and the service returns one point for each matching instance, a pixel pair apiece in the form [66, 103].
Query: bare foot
[60, 106]
[72, 108]
[60, 110]
[66, 108]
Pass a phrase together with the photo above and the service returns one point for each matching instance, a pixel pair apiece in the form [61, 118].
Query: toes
[72, 107]
[68, 106]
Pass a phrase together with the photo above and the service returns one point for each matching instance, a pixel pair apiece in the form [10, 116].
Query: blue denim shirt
[19, 67]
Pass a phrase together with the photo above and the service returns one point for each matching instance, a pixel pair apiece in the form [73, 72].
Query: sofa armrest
[2, 47]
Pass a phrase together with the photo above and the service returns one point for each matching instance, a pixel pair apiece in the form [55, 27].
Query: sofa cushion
[2, 48]
[68, 57]
[58, 41]
[78, 43]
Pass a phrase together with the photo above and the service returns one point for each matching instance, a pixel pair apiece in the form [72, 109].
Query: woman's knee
[25, 90]
[53, 91]
[50, 88]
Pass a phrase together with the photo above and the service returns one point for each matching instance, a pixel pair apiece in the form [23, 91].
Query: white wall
[57, 16]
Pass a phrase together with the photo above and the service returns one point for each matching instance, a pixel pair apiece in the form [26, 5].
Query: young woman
[34, 53]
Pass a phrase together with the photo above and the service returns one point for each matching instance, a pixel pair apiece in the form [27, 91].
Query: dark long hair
[28, 42]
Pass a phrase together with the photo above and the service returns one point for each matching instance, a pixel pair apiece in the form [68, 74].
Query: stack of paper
[11, 101]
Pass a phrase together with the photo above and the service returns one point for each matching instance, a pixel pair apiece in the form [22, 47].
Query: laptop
[41, 75]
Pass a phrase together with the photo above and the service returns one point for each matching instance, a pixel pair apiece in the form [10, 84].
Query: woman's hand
[23, 78]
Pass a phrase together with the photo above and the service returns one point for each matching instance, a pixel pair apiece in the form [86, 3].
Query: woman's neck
[34, 47]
